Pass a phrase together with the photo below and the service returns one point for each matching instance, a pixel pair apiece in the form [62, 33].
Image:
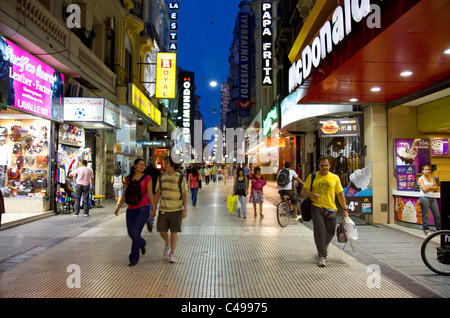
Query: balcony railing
[79, 59]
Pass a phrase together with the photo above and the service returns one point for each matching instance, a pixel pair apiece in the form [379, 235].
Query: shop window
[23, 157]
[346, 155]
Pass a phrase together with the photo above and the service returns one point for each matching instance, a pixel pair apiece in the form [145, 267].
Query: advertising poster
[414, 152]
[29, 84]
[439, 147]
[358, 194]
[408, 209]
[341, 127]
[406, 177]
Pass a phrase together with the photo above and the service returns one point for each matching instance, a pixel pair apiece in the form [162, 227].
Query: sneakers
[322, 261]
[172, 258]
[167, 249]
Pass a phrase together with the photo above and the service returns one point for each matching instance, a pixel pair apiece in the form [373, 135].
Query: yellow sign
[143, 104]
[166, 74]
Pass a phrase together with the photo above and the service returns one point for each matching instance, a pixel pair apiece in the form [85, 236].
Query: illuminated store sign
[173, 17]
[140, 101]
[186, 99]
[266, 43]
[92, 109]
[332, 32]
[29, 84]
[166, 73]
[271, 119]
[244, 102]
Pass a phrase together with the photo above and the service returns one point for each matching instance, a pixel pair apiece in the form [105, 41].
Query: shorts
[291, 193]
[118, 192]
[169, 221]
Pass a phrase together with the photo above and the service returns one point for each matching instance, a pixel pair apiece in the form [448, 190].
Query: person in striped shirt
[171, 189]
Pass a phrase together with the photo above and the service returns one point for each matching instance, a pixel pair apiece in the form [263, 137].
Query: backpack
[283, 178]
[133, 193]
[180, 179]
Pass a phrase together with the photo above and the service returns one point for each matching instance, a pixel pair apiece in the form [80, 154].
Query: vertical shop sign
[244, 103]
[186, 82]
[29, 84]
[174, 8]
[266, 43]
[166, 73]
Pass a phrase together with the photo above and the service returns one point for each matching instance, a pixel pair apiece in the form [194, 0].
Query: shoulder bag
[306, 204]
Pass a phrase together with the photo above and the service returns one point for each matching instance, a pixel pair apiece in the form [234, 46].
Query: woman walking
[138, 214]
[194, 179]
[256, 191]
[240, 189]
[118, 182]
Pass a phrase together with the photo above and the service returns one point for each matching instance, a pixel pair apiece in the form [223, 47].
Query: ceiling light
[406, 73]
[447, 51]
[375, 89]
[353, 100]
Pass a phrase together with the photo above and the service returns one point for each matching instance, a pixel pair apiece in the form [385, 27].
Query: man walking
[173, 206]
[85, 177]
[325, 188]
[154, 174]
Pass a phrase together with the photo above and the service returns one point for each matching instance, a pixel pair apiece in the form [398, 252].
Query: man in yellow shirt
[325, 188]
[173, 206]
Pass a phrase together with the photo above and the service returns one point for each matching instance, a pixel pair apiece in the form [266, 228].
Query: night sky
[205, 33]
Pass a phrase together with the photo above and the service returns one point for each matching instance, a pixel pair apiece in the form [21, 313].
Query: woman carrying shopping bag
[240, 189]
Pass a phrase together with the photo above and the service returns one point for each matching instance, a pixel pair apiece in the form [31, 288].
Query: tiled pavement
[218, 256]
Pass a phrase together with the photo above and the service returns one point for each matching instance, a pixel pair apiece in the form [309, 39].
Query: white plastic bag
[238, 204]
[350, 229]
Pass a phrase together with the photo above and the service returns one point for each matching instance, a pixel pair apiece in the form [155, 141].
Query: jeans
[194, 192]
[426, 204]
[214, 177]
[136, 219]
[82, 190]
[243, 200]
[324, 228]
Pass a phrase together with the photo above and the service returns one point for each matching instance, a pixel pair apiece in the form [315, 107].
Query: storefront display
[407, 207]
[23, 156]
[410, 156]
[341, 141]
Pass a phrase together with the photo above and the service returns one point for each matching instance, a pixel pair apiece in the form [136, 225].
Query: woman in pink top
[193, 185]
[138, 214]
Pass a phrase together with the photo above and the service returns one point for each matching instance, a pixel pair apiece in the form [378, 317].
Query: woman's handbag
[306, 204]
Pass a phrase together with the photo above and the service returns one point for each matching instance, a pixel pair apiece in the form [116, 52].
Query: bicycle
[435, 252]
[285, 210]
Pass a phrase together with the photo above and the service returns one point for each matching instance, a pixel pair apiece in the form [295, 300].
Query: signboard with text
[166, 75]
[28, 84]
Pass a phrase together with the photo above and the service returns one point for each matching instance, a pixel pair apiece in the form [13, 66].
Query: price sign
[359, 205]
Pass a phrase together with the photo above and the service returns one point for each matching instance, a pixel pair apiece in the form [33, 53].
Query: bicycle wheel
[283, 213]
[435, 252]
